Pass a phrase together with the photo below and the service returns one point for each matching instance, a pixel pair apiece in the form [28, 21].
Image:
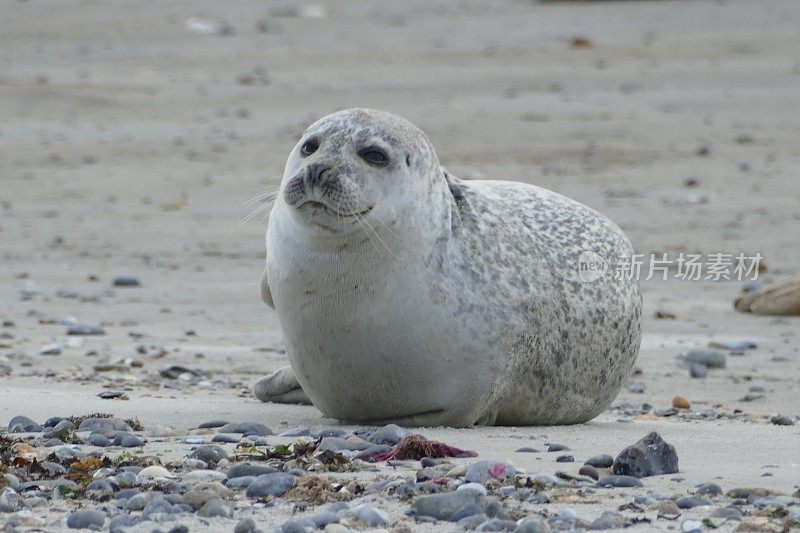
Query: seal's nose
[317, 174]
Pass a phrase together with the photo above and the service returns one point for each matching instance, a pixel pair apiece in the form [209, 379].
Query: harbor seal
[406, 295]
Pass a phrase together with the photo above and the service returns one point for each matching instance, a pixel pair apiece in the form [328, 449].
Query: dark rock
[156, 506]
[708, 489]
[121, 523]
[782, 420]
[390, 434]
[125, 281]
[229, 438]
[23, 424]
[104, 425]
[213, 424]
[127, 440]
[324, 518]
[565, 459]
[210, 453]
[244, 469]
[527, 450]
[589, 471]
[600, 461]
[216, 507]
[697, 370]
[650, 456]
[687, 502]
[555, 447]
[98, 439]
[85, 329]
[298, 525]
[246, 428]
[706, 358]
[497, 524]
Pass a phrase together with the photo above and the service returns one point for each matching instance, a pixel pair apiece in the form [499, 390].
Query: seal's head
[355, 166]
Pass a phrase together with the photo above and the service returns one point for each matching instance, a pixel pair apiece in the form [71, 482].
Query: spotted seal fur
[407, 295]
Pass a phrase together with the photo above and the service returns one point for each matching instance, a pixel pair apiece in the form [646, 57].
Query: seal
[408, 296]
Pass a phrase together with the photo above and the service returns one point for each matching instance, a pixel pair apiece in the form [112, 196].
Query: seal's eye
[374, 156]
[309, 147]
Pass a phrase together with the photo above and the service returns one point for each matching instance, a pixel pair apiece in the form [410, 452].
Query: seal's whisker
[260, 197]
[374, 232]
[369, 237]
[265, 206]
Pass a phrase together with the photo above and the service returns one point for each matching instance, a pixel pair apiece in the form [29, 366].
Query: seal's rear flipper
[280, 387]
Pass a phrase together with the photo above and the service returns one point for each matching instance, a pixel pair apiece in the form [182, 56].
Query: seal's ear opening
[408, 160]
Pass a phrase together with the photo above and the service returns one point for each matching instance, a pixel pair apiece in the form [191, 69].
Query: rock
[275, 484]
[691, 526]
[483, 471]
[636, 388]
[779, 420]
[589, 471]
[210, 453]
[153, 472]
[737, 345]
[532, 524]
[121, 523]
[565, 459]
[244, 469]
[86, 519]
[85, 329]
[697, 370]
[708, 489]
[216, 507]
[688, 502]
[298, 525]
[127, 440]
[609, 520]
[442, 506]
[776, 502]
[476, 487]
[205, 475]
[668, 510]
[246, 428]
[125, 281]
[50, 349]
[156, 506]
[618, 481]
[390, 434]
[726, 513]
[468, 510]
[600, 461]
[679, 402]
[23, 424]
[213, 424]
[11, 502]
[104, 425]
[299, 431]
[746, 492]
[650, 456]
[706, 358]
[245, 525]
[497, 524]
[229, 438]
[370, 516]
[555, 447]
[527, 449]
[324, 518]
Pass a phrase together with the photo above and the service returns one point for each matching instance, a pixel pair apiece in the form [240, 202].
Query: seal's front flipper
[280, 387]
[266, 293]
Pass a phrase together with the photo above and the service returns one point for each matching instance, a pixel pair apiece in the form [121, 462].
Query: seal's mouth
[320, 207]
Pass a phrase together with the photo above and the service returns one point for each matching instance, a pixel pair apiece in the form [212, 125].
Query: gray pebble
[555, 447]
[245, 525]
[299, 431]
[370, 516]
[213, 424]
[23, 424]
[526, 449]
[125, 281]
[468, 510]
[600, 461]
[706, 358]
[609, 520]
[565, 459]
[85, 329]
[156, 506]
[226, 437]
[11, 502]
[98, 439]
[442, 506]
[708, 489]
[275, 484]
[780, 420]
[210, 453]
[483, 471]
[246, 428]
[636, 388]
[390, 434]
[497, 524]
[240, 482]
[121, 523]
[104, 424]
[696, 370]
[127, 440]
[691, 526]
[324, 518]
[244, 469]
[589, 471]
[334, 432]
[86, 519]
[688, 502]
[618, 481]
[533, 524]
[216, 507]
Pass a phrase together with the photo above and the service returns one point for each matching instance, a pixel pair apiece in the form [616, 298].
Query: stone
[706, 358]
[390, 434]
[229, 438]
[11, 502]
[779, 420]
[608, 520]
[497, 524]
[618, 481]
[121, 523]
[205, 475]
[125, 281]
[127, 440]
[213, 424]
[688, 502]
[324, 518]
[153, 472]
[442, 506]
[679, 402]
[275, 484]
[246, 428]
[299, 431]
[216, 507]
[636, 388]
[23, 424]
[210, 453]
[600, 461]
[668, 509]
[555, 447]
[697, 370]
[370, 516]
[483, 471]
[85, 329]
[532, 524]
[245, 469]
[565, 459]
[103, 425]
[691, 526]
[86, 519]
[589, 471]
[245, 525]
[708, 489]
[650, 456]
[156, 506]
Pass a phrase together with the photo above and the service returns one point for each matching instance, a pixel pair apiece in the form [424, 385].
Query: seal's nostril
[318, 174]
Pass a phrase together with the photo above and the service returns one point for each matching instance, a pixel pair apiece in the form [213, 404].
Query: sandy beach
[132, 133]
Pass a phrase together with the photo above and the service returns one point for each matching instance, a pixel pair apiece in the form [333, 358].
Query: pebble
[390, 434]
[213, 424]
[555, 447]
[11, 502]
[216, 507]
[780, 420]
[706, 358]
[590, 471]
[241, 482]
[476, 487]
[608, 520]
[442, 506]
[565, 459]
[466, 511]
[127, 440]
[230, 438]
[245, 525]
[275, 484]
[618, 481]
[298, 525]
[205, 475]
[210, 453]
[636, 388]
[737, 345]
[86, 519]
[370, 516]
[246, 428]
[98, 439]
[50, 349]
[121, 523]
[104, 424]
[600, 461]
[483, 471]
[697, 370]
[245, 469]
[497, 524]
[691, 526]
[85, 329]
[299, 431]
[23, 424]
[324, 518]
[125, 281]
[668, 509]
[527, 449]
[532, 524]
[688, 502]
[679, 402]
[708, 489]
[727, 513]
[153, 472]
[650, 456]
[156, 506]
